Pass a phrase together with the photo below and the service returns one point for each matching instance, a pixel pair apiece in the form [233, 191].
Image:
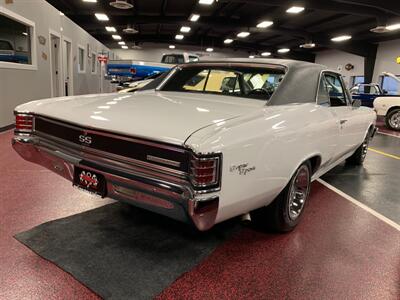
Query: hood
[169, 117]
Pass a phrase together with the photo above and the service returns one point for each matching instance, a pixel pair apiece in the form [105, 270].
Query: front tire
[285, 212]
[392, 119]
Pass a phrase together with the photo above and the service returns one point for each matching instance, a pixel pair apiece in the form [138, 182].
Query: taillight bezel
[213, 185]
[26, 126]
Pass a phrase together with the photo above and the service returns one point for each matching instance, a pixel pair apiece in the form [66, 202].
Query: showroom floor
[340, 250]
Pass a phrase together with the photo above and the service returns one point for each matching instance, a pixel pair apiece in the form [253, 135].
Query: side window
[333, 87]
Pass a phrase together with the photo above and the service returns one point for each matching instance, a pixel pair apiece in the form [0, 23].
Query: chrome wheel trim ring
[394, 120]
[364, 148]
[298, 192]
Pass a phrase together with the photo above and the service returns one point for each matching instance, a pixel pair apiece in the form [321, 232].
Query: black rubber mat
[122, 252]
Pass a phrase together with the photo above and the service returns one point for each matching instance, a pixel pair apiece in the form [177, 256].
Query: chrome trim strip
[163, 161]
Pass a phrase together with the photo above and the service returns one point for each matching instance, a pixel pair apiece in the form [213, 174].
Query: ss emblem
[84, 139]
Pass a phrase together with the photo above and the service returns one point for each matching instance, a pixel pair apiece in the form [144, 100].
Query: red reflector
[205, 180]
[202, 172]
[133, 71]
[205, 171]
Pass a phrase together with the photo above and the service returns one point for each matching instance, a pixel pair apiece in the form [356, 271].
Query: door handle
[343, 121]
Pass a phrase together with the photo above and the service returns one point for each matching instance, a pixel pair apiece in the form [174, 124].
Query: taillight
[23, 123]
[205, 172]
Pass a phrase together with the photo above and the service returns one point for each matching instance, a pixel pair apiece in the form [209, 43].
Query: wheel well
[392, 108]
[315, 162]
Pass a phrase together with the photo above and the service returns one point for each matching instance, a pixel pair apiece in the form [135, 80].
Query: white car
[201, 148]
[389, 108]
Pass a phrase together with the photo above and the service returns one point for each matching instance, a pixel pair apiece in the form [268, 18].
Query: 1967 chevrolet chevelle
[208, 142]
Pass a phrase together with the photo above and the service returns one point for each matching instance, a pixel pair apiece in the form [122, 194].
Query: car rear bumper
[172, 199]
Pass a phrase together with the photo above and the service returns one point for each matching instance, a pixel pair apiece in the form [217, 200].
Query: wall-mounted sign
[42, 40]
[349, 67]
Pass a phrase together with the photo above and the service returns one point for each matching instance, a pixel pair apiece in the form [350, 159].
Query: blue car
[367, 93]
[135, 69]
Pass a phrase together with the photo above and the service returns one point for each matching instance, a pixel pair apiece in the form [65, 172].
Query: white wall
[153, 52]
[19, 86]
[337, 60]
[386, 59]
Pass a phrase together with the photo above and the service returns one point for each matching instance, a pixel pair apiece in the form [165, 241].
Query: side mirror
[356, 103]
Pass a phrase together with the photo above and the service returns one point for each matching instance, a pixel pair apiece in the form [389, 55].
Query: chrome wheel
[298, 192]
[364, 148]
[394, 120]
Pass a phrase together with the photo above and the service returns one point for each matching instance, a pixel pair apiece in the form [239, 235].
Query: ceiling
[160, 20]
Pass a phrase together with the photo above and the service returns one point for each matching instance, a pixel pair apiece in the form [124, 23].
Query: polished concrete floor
[339, 251]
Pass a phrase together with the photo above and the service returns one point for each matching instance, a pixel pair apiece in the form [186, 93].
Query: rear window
[249, 82]
[173, 59]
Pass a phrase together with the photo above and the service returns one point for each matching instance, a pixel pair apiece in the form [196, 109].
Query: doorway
[55, 64]
[67, 67]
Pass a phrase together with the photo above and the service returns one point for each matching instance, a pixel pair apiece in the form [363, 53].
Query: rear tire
[359, 156]
[285, 212]
[392, 119]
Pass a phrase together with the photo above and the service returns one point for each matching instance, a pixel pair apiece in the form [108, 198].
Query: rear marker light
[24, 123]
[205, 171]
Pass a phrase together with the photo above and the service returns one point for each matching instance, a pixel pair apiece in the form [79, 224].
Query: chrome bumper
[175, 200]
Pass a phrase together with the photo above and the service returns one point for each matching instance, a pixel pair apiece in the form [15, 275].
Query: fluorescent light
[91, 1]
[307, 45]
[206, 2]
[24, 33]
[116, 37]
[251, 56]
[121, 43]
[185, 29]
[393, 27]
[101, 17]
[124, 47]
[284, 50]
[341, 38]
[111, 29]
[171, 46]
[266, 54]
[264, 24]
[194, 17]
[209, 49]
[295, 10]
[179, 37]
[228, 41]
[243, 34]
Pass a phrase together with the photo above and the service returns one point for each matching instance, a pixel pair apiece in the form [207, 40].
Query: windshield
[250, 82]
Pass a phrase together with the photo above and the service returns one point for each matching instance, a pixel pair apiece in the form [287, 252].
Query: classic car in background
[8, 54]
[200, 148]
[141, 69]
[132, 87]
[367, 93]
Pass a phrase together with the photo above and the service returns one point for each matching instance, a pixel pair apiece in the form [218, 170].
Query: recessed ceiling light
[116, 37]
[91, 1]
[307, 45]
[266, 54]
[393, 27]
[185, 29]
[121, 43]
[194, 17]
[25, 33]
[284, 50]
[243, 34]
[251, 56]
[295, 10]
[124, 47]
[209, 49]
[228, 41]
[206, 2]
[179, 37]
[341, 38]
[111, 29]
[264, 24]
[102, 17]
[171, 46]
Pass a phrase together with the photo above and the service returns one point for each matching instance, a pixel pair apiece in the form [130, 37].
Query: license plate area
[92, 182]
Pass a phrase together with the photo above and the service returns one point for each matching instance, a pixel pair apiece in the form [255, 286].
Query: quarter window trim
[83, 70]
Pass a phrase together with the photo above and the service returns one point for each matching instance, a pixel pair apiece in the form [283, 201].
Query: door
[348, 120]
[67, 67]
[55, 65]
